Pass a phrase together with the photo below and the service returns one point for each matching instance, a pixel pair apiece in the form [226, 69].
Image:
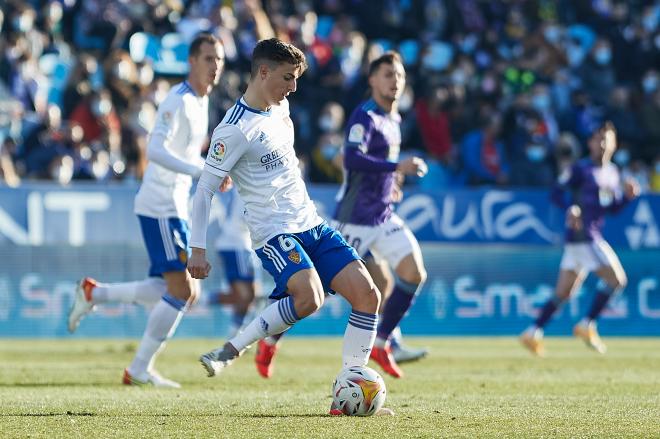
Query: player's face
[280, 80]
[207, 65]
[388, 81]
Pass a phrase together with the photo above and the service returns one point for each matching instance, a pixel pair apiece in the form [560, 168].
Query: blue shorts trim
[166, 240]
[239, 265]
[321, 248]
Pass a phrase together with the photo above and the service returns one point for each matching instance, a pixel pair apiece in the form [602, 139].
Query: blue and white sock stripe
[274, 256]
[287, 311]
[166, 236]
[363, 320]
[175, 302]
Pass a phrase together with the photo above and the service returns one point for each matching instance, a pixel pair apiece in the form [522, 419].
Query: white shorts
[391, 240]
[588, 256]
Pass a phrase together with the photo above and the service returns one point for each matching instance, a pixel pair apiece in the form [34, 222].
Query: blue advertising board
[92, 214]
[492, 257]
[471, 290]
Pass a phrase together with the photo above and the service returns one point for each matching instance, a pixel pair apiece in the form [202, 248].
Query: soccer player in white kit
[174, 153]
[254, 144]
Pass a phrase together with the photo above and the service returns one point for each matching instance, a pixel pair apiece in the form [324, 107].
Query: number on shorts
[286, 243]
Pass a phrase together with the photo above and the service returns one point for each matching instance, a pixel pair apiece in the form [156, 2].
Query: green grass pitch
[467, 387]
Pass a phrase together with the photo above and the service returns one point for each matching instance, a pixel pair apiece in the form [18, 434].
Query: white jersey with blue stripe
[182, 127]
[256, 148]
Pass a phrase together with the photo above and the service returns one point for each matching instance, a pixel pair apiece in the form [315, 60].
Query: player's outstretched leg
[614, 281]
[410, 276]
[567, 283]
[274, 319]
[82, 303]
[90, 293]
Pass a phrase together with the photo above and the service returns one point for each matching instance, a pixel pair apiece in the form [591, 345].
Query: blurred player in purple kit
[364, 213]
[594, 187]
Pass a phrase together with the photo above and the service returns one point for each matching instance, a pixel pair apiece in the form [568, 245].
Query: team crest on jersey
[183, 257]
[167, 117]
[294, 257]
[218, 151]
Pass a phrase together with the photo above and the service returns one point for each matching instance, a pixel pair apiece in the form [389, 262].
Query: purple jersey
[371, 152]
[596, 189]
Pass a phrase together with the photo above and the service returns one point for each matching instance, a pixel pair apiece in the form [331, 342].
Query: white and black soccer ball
[358, 391]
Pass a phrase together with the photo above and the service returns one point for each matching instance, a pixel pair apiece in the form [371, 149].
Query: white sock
[162, 323]
[359, 338]
[275, 318]
[146, 292]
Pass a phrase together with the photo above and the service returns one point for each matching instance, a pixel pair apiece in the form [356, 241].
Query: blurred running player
[593, 185]
[364, 214]
[161, 204]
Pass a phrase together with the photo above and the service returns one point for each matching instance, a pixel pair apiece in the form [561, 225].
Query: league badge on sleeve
[356, 133]
[218, 151]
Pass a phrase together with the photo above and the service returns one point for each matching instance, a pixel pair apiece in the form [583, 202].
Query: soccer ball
[358, 391]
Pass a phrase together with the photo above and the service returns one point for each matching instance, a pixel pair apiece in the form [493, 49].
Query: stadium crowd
[499, 92]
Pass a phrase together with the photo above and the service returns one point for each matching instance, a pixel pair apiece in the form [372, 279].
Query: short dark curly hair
[276, 51]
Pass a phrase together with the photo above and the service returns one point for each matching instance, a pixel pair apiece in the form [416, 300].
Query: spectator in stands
[535, 167]
[483, 153]
[507, 55]
[326, 157]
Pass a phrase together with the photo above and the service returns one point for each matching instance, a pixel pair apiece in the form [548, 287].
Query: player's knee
[369, 299]
[307, 304]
